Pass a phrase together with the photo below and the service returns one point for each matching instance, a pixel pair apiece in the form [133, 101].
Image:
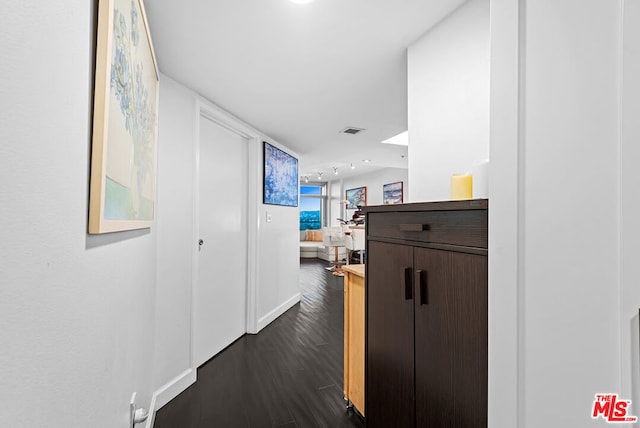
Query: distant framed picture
[356, 197]
[123, 149]
[280, 177]
[392, 193]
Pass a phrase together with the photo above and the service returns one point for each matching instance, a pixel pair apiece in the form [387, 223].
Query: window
[312, 206]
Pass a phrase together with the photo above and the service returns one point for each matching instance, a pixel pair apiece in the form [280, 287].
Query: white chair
[355, 243]
[334, 237]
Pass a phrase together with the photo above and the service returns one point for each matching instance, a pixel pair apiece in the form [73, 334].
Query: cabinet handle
[408, 284]
[413, 227]
[422, 279]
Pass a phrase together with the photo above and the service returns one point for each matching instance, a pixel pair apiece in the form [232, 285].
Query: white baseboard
[168, 392]
[152, 412]
[284, 307]
[173, 388]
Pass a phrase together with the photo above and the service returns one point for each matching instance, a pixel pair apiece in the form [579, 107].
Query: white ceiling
[301, 73]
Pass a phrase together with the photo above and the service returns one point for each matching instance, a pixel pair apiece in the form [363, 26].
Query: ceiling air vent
[351, 130]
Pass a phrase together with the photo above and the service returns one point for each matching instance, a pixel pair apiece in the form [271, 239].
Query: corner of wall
[276, 312]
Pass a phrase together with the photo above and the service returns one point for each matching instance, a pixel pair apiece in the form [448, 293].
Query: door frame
[206, 110]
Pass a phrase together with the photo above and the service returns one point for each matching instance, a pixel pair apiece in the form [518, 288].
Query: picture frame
[280, 177]
[356, 197]
[125, 120]
[393, 193]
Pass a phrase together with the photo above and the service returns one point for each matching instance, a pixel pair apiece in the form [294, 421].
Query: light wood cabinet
[354, 336]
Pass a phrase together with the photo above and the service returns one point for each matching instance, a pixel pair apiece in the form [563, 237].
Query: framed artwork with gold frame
[124, 142]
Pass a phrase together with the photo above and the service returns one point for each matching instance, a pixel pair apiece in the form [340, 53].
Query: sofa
[312, 246]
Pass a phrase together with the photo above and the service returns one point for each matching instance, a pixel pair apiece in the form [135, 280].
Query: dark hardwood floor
[289, 375]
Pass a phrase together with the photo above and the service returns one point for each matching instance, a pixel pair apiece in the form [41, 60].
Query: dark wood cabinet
[390, 329]
[426, 315]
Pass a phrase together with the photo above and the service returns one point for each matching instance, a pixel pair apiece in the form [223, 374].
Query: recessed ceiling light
[301, 1]
[352, 166]
[366, 160]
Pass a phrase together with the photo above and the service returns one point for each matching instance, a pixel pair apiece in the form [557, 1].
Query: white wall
[373, 182]
[448, 95]
[175, 229]
[278, 261]
[570, 227]
[504, 399]
[275, 250]
[575, 285]
[278, 251]
[84, 321]
[77, 311]
[629, 203]
[336, 208]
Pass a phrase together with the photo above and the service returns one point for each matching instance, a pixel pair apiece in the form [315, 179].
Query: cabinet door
[389, 374]
[354, 339]
[450, 339]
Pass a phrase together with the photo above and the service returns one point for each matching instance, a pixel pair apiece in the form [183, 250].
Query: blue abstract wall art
[280, 177]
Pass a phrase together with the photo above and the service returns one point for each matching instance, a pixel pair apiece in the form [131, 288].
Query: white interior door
[221, 287]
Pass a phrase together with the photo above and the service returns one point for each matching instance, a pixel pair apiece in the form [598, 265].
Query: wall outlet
[268, 216]
[136, 415]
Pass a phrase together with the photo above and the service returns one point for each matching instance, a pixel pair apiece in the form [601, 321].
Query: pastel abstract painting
[123, 168]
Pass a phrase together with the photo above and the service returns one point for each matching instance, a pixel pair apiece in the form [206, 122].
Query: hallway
[289, 375]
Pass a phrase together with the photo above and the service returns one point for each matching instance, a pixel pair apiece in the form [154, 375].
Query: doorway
[220, 292]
